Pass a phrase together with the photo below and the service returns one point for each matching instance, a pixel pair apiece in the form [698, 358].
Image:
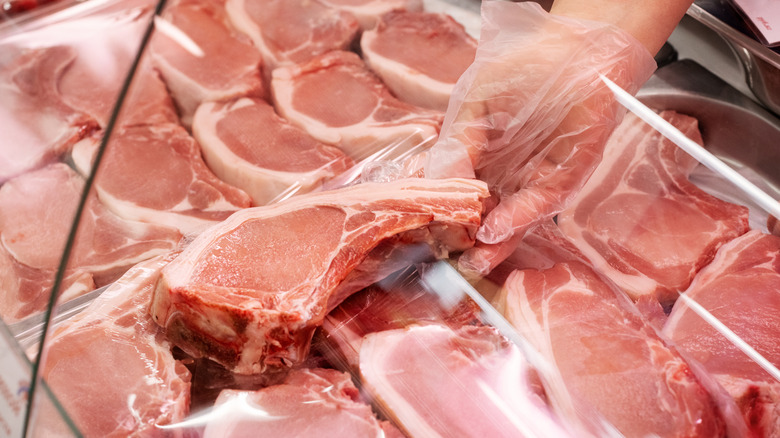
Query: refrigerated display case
[130, 180]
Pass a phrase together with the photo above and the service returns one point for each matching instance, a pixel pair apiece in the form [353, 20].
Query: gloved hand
[531, 116]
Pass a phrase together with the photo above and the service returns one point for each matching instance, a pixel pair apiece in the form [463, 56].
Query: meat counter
[210, 287]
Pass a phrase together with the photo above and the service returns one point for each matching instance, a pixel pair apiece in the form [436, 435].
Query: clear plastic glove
[531, 116]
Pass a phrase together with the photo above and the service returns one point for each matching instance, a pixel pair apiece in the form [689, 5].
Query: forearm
[649, 21]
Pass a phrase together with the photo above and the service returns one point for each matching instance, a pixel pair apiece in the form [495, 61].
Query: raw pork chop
[315, 402]
[639, 219]
[147, 101]
[741, 288]
[605, 357]
[111, 366]
[37, 126]
[156, 174]
[423, 76]
[247, 145]
[368, 12]
[439, 382]
[292, 31]
[221, 65]
[249, 292]
[368, 117]
[36, 213]
[377, 308]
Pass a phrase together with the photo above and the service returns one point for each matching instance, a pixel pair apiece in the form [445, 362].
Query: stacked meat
[316, 311]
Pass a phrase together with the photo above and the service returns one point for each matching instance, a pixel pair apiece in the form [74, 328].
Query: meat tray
[447, 339]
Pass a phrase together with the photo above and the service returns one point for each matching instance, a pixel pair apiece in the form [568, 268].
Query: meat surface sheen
[368, 119]
[248, 145]
[639, 219]
[249, 292]
[314, 402]
[112, 368]
[426, 75]
[221, 65]
[741, 288]
[292, 31]
[156, 174]
[439, 382]
[368, 12]
[606, 357]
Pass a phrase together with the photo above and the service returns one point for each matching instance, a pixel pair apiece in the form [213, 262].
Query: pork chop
[249, 292]
[155, 174]
[247, 145]
[423, 76]
[314, 402]
[639, 219]
[111, 367]
[215, 64]
[369, 118]
[741, 289]
[292, 31]
[368, 12]
[36, 215]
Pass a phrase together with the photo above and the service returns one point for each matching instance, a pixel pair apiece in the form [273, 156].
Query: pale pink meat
[148, 101]
[368, 12]
[369, 118]
[315, 402]
[221, 65]
[155, 174]
[248, 145]
[38, 127]
[249, 292]
[741, 288]
[36, 215]
[605, 357]
[438, 382]
[292, 31]
[426, 75]
[639, 219]
[111, 366]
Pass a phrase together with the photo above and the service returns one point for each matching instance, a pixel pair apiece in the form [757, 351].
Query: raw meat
[604, 356]
[639, 219]
[155, 174]
[247, 145]
[425, 75]
[36, 214]
[377, 308]
[439, 382]
[368, 12]
[292, 31]
[38, 127]
[147, 101]
[315, 402]
[111, 367]
[249, 292]
[368, 118]
[741, 288]
[218, 64]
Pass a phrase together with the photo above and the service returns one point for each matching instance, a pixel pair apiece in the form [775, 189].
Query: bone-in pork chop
[112, 368]
[314, 402]
[639, 219]
[426, 75]
[248, 145]
[292, 31]
[155, 174]
[605, 356]
[741, 288]
[222, 64]
[36, 213]
[368, 12]
[368, 119]
[250, 291]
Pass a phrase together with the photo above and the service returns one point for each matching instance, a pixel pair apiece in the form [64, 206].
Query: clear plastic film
[260, 308]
